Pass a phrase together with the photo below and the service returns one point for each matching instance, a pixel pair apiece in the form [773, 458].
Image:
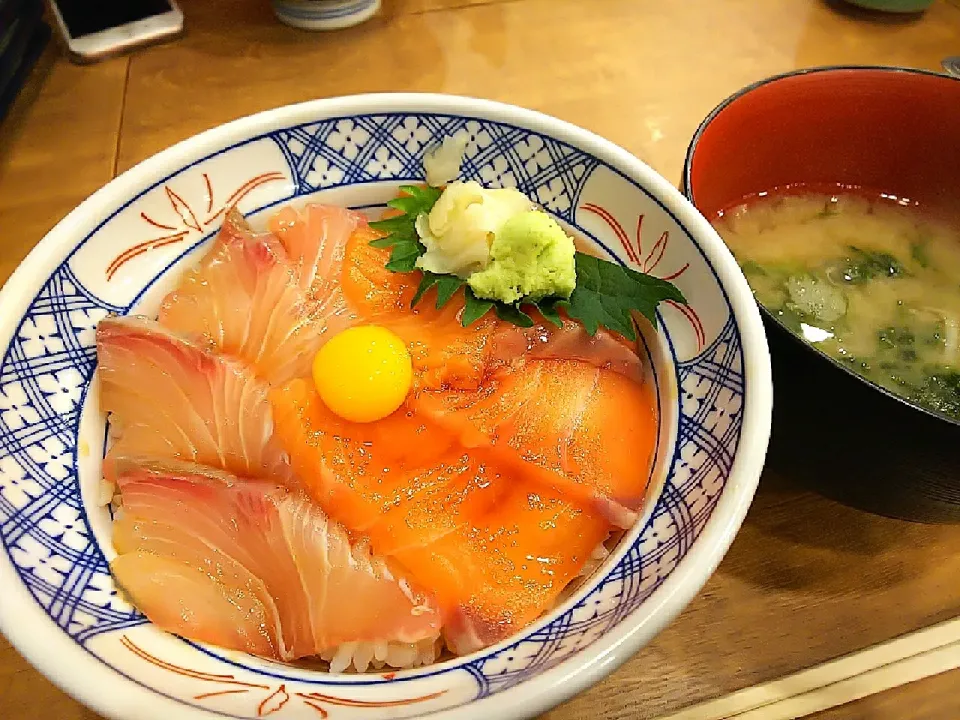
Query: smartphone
[97, 29]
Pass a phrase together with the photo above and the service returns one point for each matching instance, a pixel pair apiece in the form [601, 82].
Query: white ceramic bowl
[124, 247]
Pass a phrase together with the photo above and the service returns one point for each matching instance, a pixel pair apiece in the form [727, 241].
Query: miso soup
[872, 283]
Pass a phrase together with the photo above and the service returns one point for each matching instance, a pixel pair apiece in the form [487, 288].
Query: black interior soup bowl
[884, 130]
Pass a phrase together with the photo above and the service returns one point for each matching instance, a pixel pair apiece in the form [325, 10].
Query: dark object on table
[889, 129]
[893, 6]
[23, 36]
[9, 12]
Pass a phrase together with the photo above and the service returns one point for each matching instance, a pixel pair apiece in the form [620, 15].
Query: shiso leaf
[401, 231]
[607, 294]
[447, 286]
[474, 308]
[513, 314]
[550, 309]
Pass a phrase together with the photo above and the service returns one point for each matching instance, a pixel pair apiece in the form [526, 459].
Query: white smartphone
[97, 29]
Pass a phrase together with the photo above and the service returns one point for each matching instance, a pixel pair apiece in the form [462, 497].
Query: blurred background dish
[325, 14]
[895, 6]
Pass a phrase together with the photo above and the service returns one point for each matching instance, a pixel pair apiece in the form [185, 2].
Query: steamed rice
[363, 656]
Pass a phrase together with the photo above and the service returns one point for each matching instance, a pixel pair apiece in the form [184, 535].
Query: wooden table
[807, 581]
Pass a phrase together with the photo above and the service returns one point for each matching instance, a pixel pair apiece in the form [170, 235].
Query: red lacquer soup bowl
[876, 129]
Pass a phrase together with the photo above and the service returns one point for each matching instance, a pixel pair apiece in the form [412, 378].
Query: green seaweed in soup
[871, 283]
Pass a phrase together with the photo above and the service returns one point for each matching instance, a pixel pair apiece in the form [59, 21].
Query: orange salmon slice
[367, 285]
[586, 432]
[453, 520]
[384, 479]
[443, 352]
[508, 565]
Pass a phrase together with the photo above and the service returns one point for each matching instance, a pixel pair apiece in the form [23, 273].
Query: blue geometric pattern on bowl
[377, 147]
[47, 368]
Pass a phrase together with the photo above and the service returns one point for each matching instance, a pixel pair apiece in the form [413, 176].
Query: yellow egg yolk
[364, 373]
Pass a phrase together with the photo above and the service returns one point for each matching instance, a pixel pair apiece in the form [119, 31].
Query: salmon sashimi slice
[443, 352]
[315, 238]
[402, 439]
[170, 399]
[448, 356]
[395, 481]
[255, 566]
[455, 521]
[508, 565]
[243, 299]
[511, 345]
[368, 286]
[587, 432]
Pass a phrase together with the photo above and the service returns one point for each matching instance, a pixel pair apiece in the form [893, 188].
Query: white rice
[364, 656]
[599, 555]
[105, 492]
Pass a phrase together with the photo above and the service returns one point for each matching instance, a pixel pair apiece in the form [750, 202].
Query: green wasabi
[531, 258]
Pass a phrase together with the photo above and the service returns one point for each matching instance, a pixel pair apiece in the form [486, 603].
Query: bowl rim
[71, 668]
[687, 189]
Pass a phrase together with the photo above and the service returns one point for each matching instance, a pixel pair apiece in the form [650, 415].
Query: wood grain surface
[806, 580]
[931, 699]
[57, 146]
[641, 73]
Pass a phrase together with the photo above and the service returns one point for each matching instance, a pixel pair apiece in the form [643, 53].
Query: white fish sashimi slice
[170, 399]
[244, 299]
[180, 594]
[255, 566]
[315, 239]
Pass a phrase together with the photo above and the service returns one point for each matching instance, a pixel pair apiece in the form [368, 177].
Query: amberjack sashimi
[252, 565]
[170, 399]
[315, 237]
[243, 299]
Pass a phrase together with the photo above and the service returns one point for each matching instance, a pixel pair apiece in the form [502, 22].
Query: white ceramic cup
[325, 14]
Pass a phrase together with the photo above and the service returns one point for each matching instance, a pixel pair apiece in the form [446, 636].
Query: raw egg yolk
[363, 373]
